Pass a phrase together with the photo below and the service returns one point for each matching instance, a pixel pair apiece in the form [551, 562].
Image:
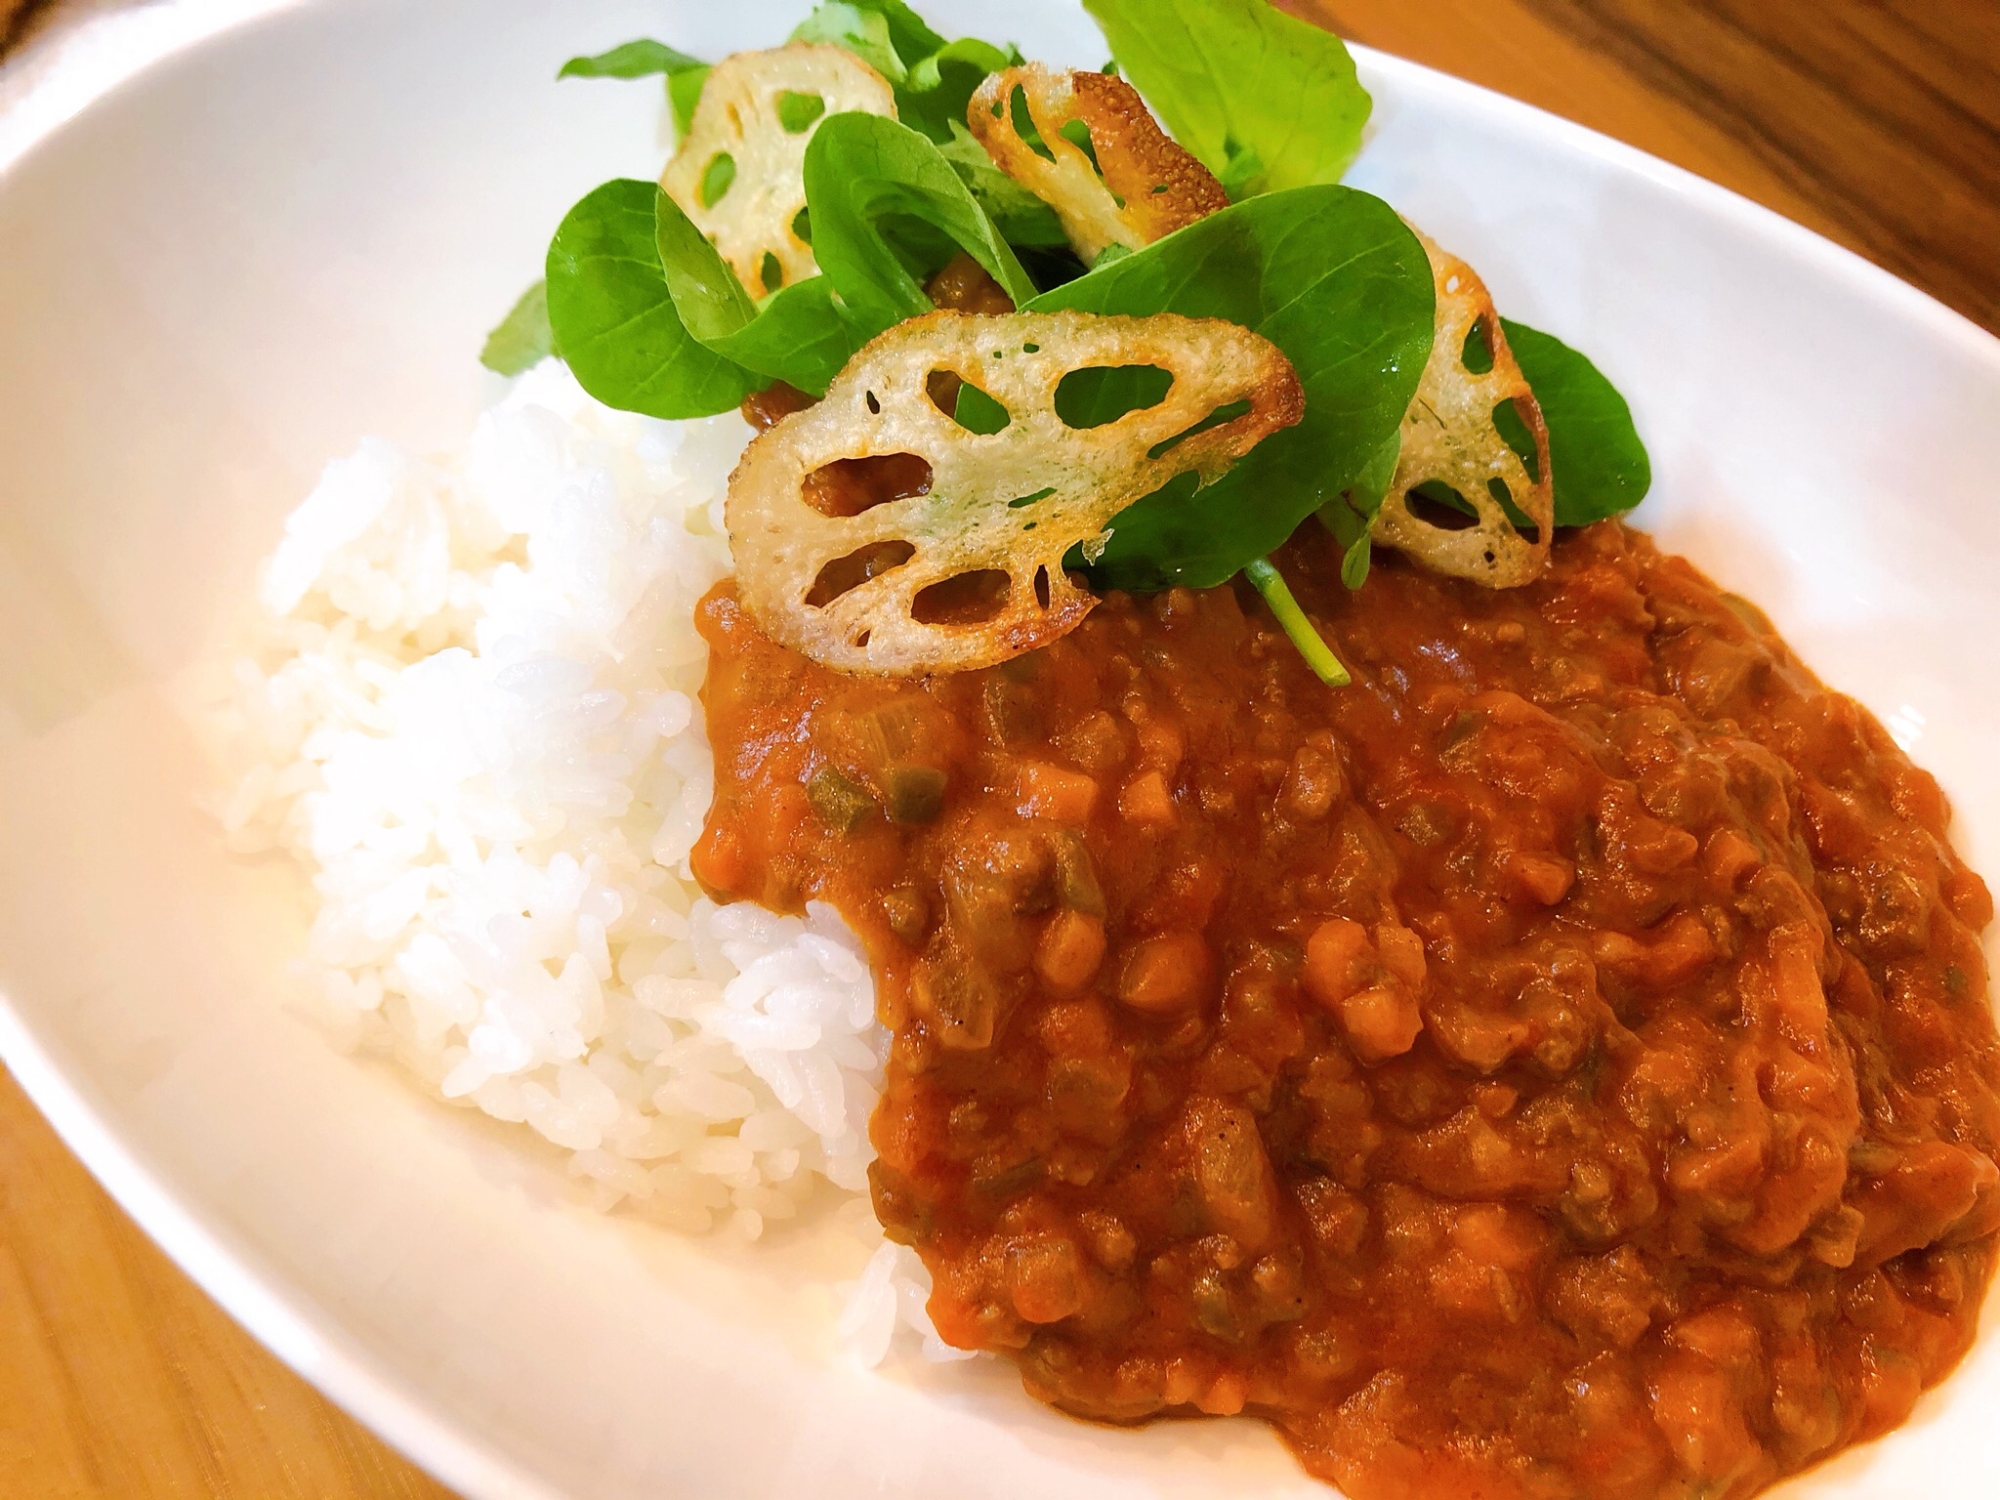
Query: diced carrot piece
[1146, 799]
[1056, 793]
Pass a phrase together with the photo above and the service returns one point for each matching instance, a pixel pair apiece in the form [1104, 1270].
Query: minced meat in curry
[1557, 1065]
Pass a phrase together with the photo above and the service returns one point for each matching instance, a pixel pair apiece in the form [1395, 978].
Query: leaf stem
[1312, 646]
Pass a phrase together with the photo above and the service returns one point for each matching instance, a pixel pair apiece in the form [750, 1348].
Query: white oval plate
[223, 271]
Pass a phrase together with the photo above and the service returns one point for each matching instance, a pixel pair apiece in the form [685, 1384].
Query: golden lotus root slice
[1449, 438]
[875, 534]
[739, 173]
[1148, 186]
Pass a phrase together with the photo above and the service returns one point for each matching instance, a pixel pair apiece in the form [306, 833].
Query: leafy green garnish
[934, 79]
[524, 338]
[888, 209]
[1268, 581]
[941, 86]
[909, 32]
[1601, 467]
[862, 31]
[1350, 515]
[642, 59]
[1265, 101]
[1338, 282]
[1242, 176]
[800, 335]
[684, 96]
[615, 321]
[1024, 220]
[653, 320]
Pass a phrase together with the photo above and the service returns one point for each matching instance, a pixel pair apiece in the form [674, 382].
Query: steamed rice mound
[475, 721]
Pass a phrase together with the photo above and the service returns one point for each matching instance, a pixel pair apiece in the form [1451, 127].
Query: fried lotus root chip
[876, 535]
[739, 173]
[1161, 186]
[1450, 438]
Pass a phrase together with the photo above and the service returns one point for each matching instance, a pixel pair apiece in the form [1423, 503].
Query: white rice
[475, 723]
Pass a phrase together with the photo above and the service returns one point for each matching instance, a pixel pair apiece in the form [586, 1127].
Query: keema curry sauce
[1558, 1065]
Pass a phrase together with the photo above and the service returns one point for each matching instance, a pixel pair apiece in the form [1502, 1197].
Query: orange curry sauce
[1558, 1065]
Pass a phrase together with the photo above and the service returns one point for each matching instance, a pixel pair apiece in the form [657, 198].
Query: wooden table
[1876, 122]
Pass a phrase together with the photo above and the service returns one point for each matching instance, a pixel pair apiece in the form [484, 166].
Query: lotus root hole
[717, 178]
[1098, 395]
[1477, 355]
[1024, 124]
[847, 487]
[1523, 524]
[846, 574]
[799, 112]
[1441, 507]
[968, 599]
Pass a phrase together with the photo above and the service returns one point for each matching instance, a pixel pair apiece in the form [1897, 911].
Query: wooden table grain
[1876, 122]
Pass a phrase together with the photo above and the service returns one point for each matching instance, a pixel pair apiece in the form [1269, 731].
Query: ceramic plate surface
[227, 268]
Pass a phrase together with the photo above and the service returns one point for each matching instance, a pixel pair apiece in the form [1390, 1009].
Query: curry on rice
[1483, 1007]
[1558, 1065]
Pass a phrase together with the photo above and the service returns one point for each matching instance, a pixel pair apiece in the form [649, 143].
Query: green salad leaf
[887, 210]
[1600, 465]
[862, 31]
[1267, 102]
[615, 320]
[1351, 514]
[524, 338]
[684, 96]
[800, 335]
[909, 32]
[642, 59]
[934, 78]
[1336, 280]
[652, 319]
[941, 86]
[1025, 221]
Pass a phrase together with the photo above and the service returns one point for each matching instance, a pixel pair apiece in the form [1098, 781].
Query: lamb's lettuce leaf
[934, 78]
[652, 319]
[1025, 221]
[615, 320]
[941, 86]
[862, 31]
[887, 210]
[1266, 101]
[524, 338]
[910, 34]
[800, 335]
[640, 59]
[1600, 465]
[643, 59]
[1336, 280]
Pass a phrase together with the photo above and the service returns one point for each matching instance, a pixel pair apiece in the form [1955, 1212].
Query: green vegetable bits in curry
[651, 319]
